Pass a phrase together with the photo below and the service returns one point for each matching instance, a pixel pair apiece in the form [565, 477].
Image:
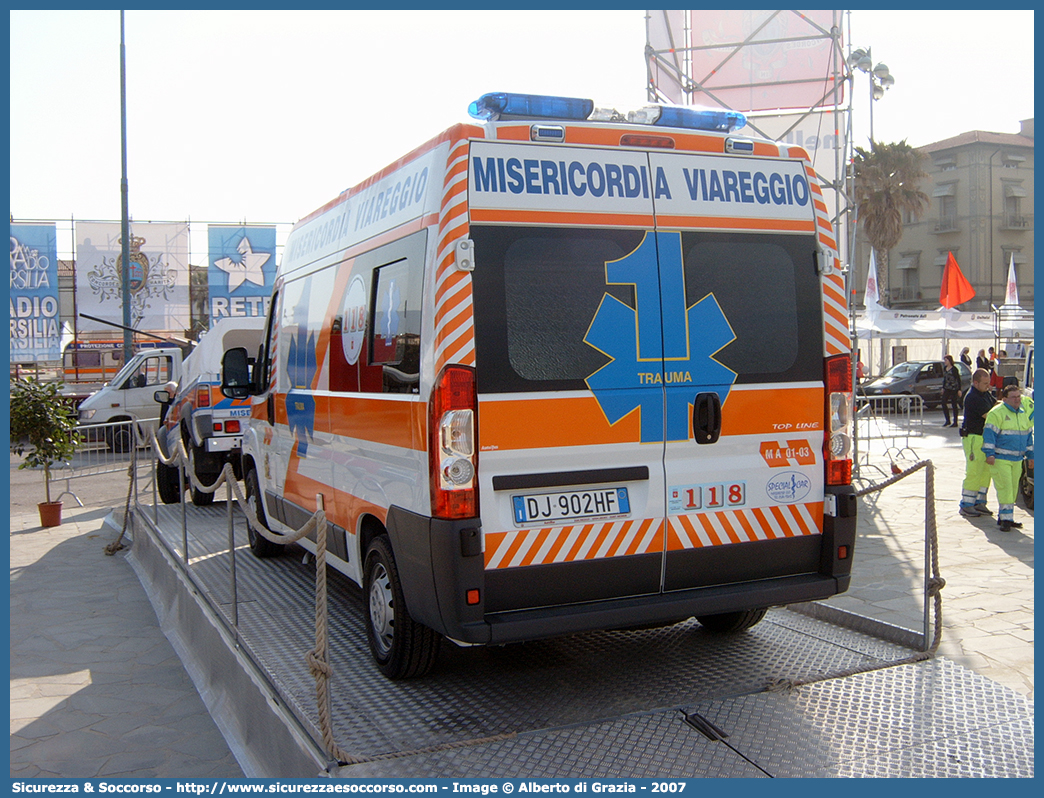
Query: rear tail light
[232, 426]
[452, 449]
[203, 397]
[837, 449]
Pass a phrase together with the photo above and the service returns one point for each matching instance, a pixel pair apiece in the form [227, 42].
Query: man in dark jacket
[977, 403]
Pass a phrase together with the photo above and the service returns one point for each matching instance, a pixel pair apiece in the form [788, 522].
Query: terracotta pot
[50, 513]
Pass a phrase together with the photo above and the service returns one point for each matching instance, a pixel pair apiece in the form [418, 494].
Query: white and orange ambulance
[562, 370]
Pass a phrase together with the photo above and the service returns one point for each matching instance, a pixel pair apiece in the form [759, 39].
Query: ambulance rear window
[536, 291]
[768, 289]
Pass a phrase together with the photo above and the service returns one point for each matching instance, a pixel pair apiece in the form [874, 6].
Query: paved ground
[97, 690]
[988, 598]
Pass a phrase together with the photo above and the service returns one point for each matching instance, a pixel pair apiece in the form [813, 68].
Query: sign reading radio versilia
[571, 179]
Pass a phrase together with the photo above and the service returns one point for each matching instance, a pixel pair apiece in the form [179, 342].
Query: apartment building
[981, 190]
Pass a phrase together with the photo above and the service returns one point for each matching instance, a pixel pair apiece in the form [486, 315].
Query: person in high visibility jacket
[1007, 438]
[977, 404]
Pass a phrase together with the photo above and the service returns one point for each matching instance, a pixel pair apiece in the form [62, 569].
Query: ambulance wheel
[167, 483]
[402, 648]
[1026, 485]
[731, 622]
[259, 544]
[201, 498]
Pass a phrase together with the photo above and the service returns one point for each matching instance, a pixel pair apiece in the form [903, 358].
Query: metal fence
[106, 449]
[886, 426]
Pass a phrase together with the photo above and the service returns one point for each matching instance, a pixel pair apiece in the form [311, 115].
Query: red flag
[955, 286]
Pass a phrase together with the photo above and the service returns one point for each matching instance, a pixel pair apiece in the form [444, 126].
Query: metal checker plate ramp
[659, 745]
[932, 718]
[595, 678]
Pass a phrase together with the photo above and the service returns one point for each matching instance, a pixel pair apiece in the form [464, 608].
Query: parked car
[922, 378]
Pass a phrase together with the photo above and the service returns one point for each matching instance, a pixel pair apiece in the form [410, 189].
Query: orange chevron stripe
[710, 531]
[746, 525]
[579, 543]
[837, 315]
[451, 290]
[828, 241]
[503, 547]
[748, 530]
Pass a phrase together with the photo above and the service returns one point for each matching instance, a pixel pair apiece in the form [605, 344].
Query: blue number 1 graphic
[658, 278]
[657, 336]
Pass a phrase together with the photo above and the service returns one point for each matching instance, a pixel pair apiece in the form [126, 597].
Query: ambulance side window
[296, 348]
[264, 361]
[394, 335]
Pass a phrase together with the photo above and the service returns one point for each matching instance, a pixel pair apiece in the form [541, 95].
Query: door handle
[706, 418]
[270, 407]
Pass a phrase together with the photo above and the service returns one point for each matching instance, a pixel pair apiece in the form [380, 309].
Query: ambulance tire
[401, 647]
[259, 544]
[1026, 485]
[201, 498]
[167, 483]
[731, 622]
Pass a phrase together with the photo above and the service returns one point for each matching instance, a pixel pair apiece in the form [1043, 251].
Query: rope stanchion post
[929, 522]
[184, 509]
[155, 498]
[231, 547]
[933, 585]
[318, 657]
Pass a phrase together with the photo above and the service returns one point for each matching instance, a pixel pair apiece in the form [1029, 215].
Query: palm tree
[887, 185]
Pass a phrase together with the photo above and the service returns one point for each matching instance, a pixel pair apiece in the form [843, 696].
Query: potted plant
[43, 421]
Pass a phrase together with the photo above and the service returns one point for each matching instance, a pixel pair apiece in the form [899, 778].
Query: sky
[264, 116]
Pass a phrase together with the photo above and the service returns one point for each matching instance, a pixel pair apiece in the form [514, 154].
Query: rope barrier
[934, 584]
[318, 658]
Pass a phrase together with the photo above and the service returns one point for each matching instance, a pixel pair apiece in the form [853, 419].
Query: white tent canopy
[943, 324]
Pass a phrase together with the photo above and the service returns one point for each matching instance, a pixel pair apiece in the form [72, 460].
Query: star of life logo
[660, 342]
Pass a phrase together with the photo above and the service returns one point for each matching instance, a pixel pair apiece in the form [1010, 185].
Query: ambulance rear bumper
[439, 562]
[659, 608]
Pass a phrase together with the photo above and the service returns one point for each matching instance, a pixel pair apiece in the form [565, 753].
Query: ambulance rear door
[570, 382]
[743, 368]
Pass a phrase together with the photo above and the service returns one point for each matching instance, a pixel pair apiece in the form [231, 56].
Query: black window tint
[536, 291]
[768, 289]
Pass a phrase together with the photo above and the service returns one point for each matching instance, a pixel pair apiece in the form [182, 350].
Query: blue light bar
[500, 105]
[700, 119]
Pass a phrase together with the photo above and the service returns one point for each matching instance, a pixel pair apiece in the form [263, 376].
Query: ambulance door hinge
[464, 255]
[825, 262]
[830, 505]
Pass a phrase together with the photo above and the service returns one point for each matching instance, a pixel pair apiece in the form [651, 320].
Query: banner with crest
[158, 271]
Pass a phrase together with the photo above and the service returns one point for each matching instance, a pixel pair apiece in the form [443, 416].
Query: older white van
[559, 370]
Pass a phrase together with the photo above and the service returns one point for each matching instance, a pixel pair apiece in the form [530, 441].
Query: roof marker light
[547, 133]
[721, 120]
[504, 105]
[740, 146]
